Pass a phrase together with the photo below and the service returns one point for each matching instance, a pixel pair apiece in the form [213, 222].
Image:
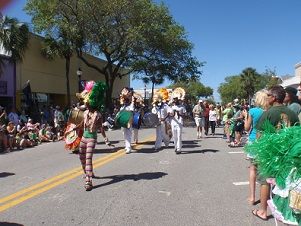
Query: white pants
[135, 134]
[177, 135]
[127, 133]
[161, 135]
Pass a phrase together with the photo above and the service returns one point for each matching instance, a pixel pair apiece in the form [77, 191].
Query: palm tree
[249, 77]
[14, 37]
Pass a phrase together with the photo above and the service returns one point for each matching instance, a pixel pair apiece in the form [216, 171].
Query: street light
[79, 74]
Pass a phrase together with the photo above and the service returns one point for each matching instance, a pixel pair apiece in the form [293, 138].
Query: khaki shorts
[199, 121]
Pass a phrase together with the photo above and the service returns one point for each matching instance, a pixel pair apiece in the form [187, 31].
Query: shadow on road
[112, 142]
[106, 149]
[199, 151]
[6, 174]
[134, 177]
[10, 224]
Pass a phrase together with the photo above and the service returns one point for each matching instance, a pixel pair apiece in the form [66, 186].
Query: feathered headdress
[178, 93]
[94, 94]
[125, 95]
[161, 95]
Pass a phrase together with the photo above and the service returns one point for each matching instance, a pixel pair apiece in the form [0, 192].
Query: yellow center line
[48, 184]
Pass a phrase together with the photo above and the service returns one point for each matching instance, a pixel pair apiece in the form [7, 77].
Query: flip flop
[255, 213]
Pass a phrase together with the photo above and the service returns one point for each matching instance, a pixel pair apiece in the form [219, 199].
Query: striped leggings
[86, 149]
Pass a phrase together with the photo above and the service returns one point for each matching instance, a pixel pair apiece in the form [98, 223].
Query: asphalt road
[44, 185]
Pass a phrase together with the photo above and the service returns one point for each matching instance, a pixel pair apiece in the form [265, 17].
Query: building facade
[295, 80]
[47, 78]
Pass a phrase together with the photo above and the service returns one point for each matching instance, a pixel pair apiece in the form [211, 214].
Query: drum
[72, 137]
[76, 116]
[124, 119]
[137, 119]
[150, 119]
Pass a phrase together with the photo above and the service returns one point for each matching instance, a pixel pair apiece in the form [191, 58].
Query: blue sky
[230, 35]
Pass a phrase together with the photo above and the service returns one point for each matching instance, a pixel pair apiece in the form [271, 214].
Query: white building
[293, 81]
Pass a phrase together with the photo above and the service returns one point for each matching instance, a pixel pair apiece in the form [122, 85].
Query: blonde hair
[261, 99]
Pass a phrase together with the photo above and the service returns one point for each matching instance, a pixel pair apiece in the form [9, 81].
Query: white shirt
[212, 115]
[162, 111]
[179, 111]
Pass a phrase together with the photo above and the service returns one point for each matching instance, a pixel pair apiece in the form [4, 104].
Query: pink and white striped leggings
[86, 149]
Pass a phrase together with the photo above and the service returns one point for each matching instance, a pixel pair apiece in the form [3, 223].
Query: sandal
[88, 185]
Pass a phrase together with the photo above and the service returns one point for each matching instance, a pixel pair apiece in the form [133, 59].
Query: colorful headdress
[125, 95]
[161, 95]
[139, 99]
[178, 93]
[94, 94]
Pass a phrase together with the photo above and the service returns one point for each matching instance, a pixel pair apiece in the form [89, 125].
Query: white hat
[200, 101]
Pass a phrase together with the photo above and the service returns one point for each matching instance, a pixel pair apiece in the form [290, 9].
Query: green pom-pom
[277, 153]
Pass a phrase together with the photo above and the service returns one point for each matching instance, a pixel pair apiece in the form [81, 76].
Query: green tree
[230, 89]
[270, 78]
[123, 32]
[14, 38]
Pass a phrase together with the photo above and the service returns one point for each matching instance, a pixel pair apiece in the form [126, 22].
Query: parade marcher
[177, 112]
[138, 115]
[161, 109]
[93, 97]
[125, 116]
[198, 115]
[278, 116]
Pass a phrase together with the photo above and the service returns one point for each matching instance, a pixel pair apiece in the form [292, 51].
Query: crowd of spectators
[19, 130]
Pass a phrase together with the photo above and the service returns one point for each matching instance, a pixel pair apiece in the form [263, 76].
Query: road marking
[167, 193]
[236, 152]
[164, 162]
[30, 192]
[241, 183]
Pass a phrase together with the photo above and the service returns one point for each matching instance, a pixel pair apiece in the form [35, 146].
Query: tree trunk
[67, 65]
[153, 87]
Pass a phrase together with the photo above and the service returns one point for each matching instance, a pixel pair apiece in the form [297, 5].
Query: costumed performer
[127, 101]
[177, 112]
[161, 109]
[93, 97]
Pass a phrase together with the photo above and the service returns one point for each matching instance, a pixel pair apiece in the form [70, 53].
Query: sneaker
[127, 151]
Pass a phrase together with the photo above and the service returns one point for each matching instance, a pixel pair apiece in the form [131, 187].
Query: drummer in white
[177, 112]
[128, 105]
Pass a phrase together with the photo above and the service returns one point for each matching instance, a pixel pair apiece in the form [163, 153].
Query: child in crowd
[11, 132]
